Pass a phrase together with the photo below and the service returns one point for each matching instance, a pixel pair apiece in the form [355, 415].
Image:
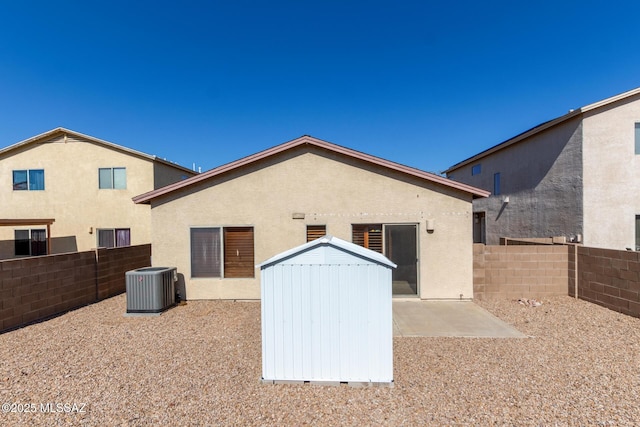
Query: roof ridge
[543, 126]
[307, 139]
[93, 139]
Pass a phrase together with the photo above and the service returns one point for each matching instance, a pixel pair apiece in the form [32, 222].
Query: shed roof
[66, 132]
[335, 242]
[544, 126]
[307, 140]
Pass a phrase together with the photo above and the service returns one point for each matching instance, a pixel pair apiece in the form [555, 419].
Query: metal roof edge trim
[330, 240]
[306, 139]
[543, 126]
[93, 139]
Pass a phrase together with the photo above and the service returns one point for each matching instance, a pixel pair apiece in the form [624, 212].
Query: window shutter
[368, 236]
[205, 252]
[238, 252]
[315, 232]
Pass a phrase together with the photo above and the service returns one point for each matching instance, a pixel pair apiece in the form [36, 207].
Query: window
[30, 242]
[637, 135]
[114, 237]
[222, 252]
[368, 236]
[637, 232]
[112, 178]
[479, 227]
[399, 243]
[496, 183]
[476, 169]
[206, 250]
[28, 179]
[315, 232]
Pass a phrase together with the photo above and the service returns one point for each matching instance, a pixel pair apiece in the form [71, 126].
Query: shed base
[355, 384]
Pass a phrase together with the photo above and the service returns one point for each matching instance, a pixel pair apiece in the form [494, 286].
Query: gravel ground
[199, 364]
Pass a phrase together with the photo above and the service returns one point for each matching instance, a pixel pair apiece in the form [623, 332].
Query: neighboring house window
[31, 179]
[30, 242]
[637, 232]
[476, 169]
[637, 138]
[315, 232]
[222, 252]
[496, 183]
[479, 227]
[114, 237]
[112, 178]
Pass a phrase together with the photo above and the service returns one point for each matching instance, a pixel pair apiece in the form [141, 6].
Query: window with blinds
[368, 236]
[205, 252]
[222, 251]
[315, 232]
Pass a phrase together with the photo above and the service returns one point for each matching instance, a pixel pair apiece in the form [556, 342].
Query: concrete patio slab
[416, 318]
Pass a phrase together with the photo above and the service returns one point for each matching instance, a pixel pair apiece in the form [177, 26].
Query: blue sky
[422, 83]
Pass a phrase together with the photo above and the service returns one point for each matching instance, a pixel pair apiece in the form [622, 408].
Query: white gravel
[199, 364]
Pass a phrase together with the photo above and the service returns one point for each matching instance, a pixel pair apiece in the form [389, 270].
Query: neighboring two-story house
[62, 191]
[576, 176]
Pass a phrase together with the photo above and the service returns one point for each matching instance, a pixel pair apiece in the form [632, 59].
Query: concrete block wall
[40, 287]
[34, 288]
[610, 278]
[521, 271]
[112, 264]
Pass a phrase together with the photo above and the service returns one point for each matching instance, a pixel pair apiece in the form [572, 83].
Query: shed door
[401, 247]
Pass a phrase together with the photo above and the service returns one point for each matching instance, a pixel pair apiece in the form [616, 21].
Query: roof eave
[509, 142]
[147, 197]
[544, 126]
[61, 130]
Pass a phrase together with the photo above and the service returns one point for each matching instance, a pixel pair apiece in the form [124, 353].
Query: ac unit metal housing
[151, 290]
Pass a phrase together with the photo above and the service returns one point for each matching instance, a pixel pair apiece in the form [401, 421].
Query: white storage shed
[327, 314]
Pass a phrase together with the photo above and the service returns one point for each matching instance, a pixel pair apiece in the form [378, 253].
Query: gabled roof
[314, 142]
[544, 126]
[335, 242]
[66, 132]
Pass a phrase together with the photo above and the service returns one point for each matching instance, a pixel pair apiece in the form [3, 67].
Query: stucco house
[575, 177]
[64, 191]
[217, 226]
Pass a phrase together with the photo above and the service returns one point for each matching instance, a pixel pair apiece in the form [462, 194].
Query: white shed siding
[327, 321]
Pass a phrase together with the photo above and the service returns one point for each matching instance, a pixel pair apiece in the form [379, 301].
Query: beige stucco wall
[330, 190]
[164, 174]
[611, 175]
[72, 196]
